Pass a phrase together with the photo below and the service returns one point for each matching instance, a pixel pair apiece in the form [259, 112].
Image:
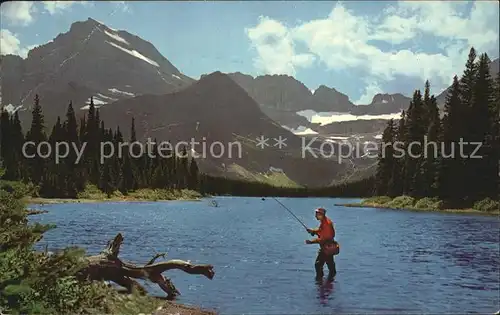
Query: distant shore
[409, 204]
[95, 196]
[38, 200]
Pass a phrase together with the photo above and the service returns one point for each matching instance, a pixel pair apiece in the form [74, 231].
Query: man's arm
[313, 241]
[313, 231]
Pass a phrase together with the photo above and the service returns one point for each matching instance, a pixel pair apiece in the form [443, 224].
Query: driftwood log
[108, 267]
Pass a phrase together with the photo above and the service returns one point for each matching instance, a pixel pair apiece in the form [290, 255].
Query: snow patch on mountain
[163, 78]
[107, 97]
[97, 101]
[116, 37]
[339, 138]
[325, 118]
[275, 169]
[177, 77]
[116, 91]
[11, 109]
[135, 53]
[86, 107]
[307, 131]
[301, 131]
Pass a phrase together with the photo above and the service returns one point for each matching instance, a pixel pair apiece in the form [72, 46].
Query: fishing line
[291, 213]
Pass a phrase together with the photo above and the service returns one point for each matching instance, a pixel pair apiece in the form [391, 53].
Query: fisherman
[328, 246]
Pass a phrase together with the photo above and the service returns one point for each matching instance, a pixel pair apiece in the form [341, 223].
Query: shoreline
[453, 211]
[48, 201]
[182, 309]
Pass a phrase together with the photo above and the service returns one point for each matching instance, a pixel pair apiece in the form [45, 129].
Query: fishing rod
[292, 214]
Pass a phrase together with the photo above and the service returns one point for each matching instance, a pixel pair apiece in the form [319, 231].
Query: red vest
[326, 231]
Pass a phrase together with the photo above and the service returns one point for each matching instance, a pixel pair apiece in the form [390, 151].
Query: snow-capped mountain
[90, 60]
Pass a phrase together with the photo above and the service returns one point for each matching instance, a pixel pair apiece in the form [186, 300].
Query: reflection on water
[325, 288]
[392, 262]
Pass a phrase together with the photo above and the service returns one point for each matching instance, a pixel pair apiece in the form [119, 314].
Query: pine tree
[450, 164]
[386, 161]
[57, 173]
[118, 160]
[482, 172]
[137, 161]
[194, 178]
[170, 165]
[427, 110]
[398, 171]
[74, 180]
[414, 152]
[432, 149]
[5, 141]
[496, 109]
[16, 172]
[496, 131]
[82, 130]
[106, 180]
[36, 134]
[128, 181]
[92, 148]
[182, 169]
[133, 136]
[466, 129]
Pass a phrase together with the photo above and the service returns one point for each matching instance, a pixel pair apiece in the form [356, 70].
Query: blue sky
[359, 48]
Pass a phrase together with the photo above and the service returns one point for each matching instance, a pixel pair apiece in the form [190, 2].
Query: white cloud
[18, 12]
[56, 7]
[11, 45]
[275, 48]
[123, 6]
[372, 88]
[24, 51]
[22, 13]
[395, 29]
[446, 19]
[345, 40]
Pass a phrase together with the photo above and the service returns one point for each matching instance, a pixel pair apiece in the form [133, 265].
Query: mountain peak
[383, 98]
[93, 21]
[218, 79]
[212, 75]
[324, 88]
[87, 25]
[132, 66]
[240, 74]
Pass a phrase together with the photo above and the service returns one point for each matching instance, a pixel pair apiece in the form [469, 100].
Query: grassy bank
[483, 207]
[92, 194]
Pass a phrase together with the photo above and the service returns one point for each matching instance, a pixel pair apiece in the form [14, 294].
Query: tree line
[467, 128]
[64, 179]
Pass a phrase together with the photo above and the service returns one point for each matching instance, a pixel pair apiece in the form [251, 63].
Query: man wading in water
[328, 246]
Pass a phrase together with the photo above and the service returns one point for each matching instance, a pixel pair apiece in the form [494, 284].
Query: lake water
[390, 261]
